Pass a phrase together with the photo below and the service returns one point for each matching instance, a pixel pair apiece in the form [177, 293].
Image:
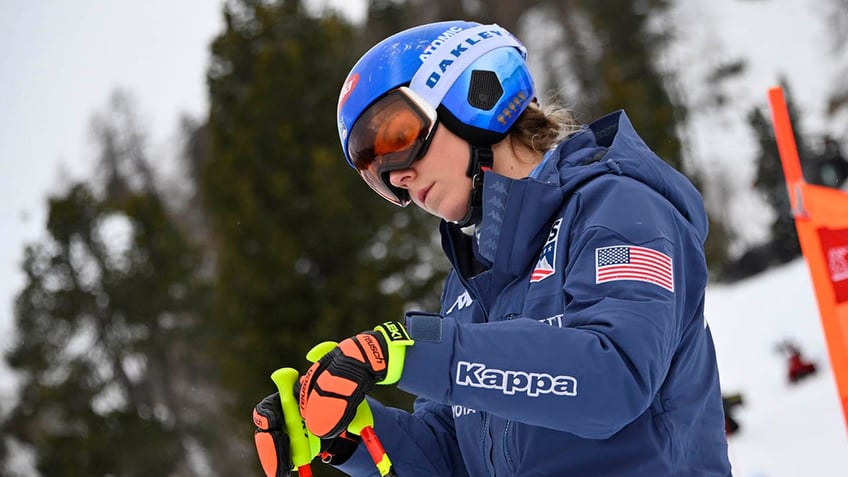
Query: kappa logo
[461, 302]
[510, 382]
[545, 266]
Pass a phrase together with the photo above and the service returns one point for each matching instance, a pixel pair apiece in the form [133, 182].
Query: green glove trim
[319, 350]
[363, 418]
[397, 339]
[304, 445]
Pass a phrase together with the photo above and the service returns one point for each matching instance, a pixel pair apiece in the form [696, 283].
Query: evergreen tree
[108, 324]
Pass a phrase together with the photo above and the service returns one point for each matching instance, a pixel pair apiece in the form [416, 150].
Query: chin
[454, 215]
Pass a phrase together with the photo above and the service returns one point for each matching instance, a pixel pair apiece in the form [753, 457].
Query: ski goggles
[390, 135]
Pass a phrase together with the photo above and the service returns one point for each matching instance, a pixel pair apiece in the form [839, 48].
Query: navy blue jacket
[572, 338]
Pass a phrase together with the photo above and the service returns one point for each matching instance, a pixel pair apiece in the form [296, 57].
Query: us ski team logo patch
[545, 266]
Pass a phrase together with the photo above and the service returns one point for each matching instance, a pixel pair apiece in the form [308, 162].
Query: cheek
[456, 208]
[454, 159]
[460, 184]
[446, 165]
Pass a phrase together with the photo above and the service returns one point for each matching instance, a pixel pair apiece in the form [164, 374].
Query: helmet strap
[482, 160]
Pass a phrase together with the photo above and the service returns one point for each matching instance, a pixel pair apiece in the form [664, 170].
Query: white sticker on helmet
[446, 59]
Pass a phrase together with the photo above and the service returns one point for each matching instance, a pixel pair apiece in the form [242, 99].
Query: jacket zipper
[487, 447]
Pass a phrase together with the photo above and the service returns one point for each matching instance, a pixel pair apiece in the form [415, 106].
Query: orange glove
[272, 440]
[333, 387]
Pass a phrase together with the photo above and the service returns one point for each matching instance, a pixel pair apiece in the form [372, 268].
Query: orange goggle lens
[390, 135]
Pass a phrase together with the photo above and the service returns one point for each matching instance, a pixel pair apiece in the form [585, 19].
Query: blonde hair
[541, 129]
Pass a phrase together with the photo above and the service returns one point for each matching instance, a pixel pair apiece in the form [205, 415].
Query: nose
[400, 178]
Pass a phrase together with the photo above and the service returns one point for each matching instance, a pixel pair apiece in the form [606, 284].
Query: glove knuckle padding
[334, 386]
[268, 413]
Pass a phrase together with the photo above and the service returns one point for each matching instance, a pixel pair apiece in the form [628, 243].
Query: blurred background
[177, 220]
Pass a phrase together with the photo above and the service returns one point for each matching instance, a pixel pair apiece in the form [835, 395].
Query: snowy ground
[786, 430]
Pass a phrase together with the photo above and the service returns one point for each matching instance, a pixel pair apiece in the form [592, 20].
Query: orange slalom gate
[821, 219]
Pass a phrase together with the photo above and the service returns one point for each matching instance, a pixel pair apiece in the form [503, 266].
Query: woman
[571, 338]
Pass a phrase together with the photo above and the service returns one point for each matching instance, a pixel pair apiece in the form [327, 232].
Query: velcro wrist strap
[397, 339]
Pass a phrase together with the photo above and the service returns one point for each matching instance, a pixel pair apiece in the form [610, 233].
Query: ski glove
[333, 387]
[272, 441]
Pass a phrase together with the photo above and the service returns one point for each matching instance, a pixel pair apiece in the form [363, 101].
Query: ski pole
[302, 442]
[363, 425]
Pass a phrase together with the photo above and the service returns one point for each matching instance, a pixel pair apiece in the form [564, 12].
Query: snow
[786, 430]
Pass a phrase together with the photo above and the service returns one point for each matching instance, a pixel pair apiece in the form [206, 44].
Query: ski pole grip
[304, 444]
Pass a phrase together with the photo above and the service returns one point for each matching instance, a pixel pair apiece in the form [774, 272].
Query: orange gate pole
[821, 219]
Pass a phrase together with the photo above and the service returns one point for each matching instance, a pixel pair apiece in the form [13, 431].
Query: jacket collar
[516, 218]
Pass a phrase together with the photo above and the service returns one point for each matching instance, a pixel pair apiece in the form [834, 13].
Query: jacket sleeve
[419, 443]
[604, 366]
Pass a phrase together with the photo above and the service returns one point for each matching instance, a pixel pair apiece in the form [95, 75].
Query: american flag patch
[627, 262]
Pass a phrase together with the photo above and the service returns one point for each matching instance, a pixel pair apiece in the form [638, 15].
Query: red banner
[834, 244]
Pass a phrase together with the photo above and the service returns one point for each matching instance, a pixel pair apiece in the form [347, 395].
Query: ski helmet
[472, 78]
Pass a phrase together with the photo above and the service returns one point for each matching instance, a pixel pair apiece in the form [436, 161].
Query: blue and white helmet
[475, 77]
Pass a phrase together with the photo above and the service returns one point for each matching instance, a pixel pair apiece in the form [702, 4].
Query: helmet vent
[485, 89]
